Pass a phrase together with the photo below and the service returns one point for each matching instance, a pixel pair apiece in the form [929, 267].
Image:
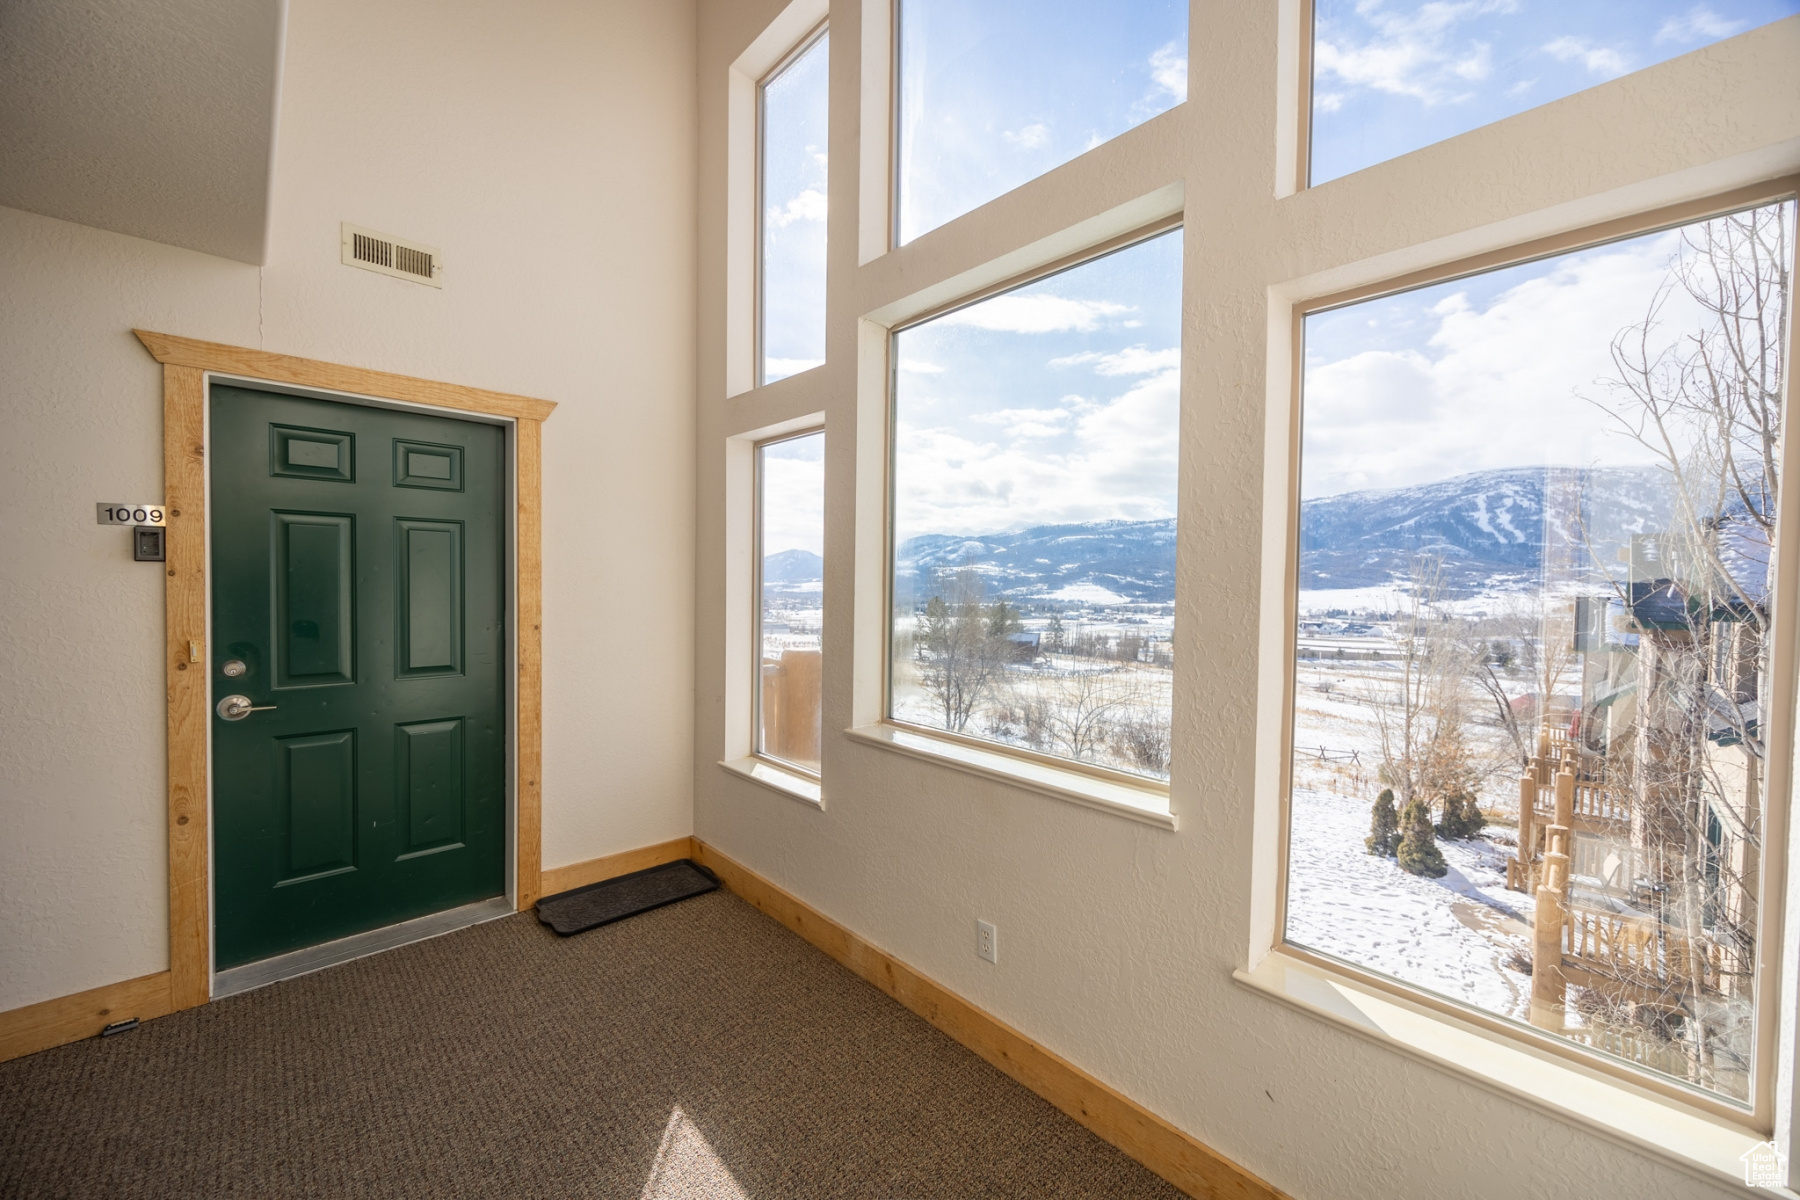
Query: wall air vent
[391, 256]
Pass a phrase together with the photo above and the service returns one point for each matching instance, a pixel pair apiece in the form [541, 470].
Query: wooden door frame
[186, 364]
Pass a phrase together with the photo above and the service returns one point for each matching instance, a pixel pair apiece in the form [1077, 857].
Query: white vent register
[394, 256]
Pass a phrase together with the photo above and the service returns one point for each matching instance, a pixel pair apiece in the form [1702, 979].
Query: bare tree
[1707, 405]
[1420, 715]
[958, 655]
[1492, 668]
[1081, 712]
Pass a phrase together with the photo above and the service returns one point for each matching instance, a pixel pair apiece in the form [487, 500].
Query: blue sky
[1391, 76]
[1058, 403]
[1505, 369]
[1054, 403]
[795, 116]
[993, 94]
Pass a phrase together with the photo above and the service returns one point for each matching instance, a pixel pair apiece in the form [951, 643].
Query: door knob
[236, 708]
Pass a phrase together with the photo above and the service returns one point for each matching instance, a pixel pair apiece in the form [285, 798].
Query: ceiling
[154, 118]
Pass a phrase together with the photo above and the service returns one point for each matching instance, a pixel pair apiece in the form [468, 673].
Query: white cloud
[1475, 66]
[919, 366]
[1117, 463]
[793, 502]
[1699, 23]
[1034, 313]
[1082, 460]
[809, 205]
[1409, 54]
[1028, 422]
[1501, 384]
[1133, 360]
[1168, 71]
[1603, 61]
[1032, 137]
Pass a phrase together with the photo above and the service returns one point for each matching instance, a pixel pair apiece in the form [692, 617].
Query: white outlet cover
[987, 942]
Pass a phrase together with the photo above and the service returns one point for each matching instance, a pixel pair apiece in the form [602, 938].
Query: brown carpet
[700, 1050]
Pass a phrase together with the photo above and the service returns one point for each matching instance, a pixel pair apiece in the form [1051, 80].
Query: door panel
[312, 453]
[315, 616]
[431, 584]
[430, 759]
[358, 574]
[316, 787]
[424, 465]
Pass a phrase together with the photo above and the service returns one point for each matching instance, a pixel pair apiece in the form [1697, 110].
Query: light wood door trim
[184, 592]
[528, 880]
[174, 351]
[185, 364]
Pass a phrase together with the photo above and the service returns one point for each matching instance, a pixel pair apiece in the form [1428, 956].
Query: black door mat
[611, 900]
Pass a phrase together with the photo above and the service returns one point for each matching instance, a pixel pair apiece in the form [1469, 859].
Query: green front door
[358, 592]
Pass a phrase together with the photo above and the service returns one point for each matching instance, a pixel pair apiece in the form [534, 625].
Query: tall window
[1390, 77]
[1034, 513]
[1531, 661]
[995, 94]
[791, 180]
[790, 538]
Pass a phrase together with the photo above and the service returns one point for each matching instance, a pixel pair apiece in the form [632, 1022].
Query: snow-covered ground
[1455, 935]
[1451, 935]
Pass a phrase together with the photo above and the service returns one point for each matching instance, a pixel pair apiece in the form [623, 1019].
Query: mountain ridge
[1490, 527]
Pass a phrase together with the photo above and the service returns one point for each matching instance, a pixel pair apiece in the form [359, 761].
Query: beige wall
[548, 149]
[1119, 939]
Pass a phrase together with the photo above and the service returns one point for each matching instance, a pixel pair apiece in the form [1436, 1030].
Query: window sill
[791, 784]
[1120, 799]
[1709, 1147]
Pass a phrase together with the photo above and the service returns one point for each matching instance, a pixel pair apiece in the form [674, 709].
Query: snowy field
[1452, 935]
[1455, 936]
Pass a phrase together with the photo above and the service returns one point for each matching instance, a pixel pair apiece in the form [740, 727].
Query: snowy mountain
[793, 566]
[1105, 562]
[1491, 526]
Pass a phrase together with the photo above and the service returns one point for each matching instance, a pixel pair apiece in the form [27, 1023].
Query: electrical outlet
[987, 942]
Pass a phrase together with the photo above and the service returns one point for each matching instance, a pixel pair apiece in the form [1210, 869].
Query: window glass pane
[794, 119]
[997, 93]
[791, 542]
[1034, 513]
[1390, 77]
[1531, 661]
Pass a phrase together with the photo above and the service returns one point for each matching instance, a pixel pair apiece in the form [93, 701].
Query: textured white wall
[548, 149]
[1119, 939]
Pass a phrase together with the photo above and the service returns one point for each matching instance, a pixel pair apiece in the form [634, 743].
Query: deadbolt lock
[233, 667]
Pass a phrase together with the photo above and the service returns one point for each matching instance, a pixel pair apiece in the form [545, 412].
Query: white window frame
[784, 39]
[1552, 1073]
[741, 753]
[1235, 189]
[757, 557]
[775, 72]
[1103, 787]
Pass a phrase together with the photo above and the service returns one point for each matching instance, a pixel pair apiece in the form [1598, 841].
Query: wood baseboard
[1152, 1141]
[70, 1018]
[574, 875]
